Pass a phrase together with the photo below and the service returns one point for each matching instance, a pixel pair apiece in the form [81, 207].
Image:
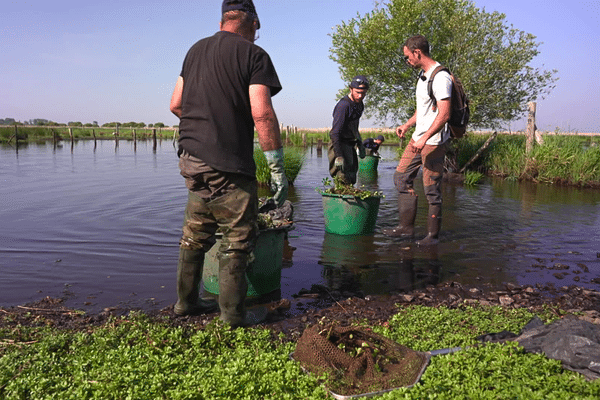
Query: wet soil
[291, 316]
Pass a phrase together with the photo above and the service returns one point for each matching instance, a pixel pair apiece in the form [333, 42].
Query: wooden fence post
[530, 134]
[154, 138]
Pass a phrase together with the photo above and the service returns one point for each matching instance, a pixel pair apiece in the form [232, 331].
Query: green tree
[490, 58]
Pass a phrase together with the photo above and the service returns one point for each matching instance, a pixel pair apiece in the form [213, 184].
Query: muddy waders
[434, 223]
[407, 209]
[232, 292]
[233, 287]
[189, 274]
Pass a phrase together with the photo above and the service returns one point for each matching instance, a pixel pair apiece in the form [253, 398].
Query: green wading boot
[232, 292]
[189, 274]
[407, 208]
[434, 223]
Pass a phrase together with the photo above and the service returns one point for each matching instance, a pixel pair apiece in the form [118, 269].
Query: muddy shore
[291, 316]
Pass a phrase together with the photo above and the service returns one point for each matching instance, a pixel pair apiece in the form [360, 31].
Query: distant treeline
[25, 133]
[94, 124]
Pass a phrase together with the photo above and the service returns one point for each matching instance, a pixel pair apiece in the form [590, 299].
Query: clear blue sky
[118, 60]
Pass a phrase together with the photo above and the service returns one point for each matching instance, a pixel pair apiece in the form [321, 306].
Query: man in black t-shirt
[224, 90]
[344, 134]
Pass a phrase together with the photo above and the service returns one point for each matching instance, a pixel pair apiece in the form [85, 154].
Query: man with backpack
[428, 145]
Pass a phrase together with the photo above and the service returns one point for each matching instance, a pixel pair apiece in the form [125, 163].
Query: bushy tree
[490, 57]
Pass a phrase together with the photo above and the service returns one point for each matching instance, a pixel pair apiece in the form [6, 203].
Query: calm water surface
[100, 226]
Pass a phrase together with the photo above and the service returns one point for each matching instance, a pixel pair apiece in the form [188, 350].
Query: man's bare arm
[176, 98]
[265, 120]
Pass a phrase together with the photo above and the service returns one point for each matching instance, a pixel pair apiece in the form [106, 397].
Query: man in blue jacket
[344, 134]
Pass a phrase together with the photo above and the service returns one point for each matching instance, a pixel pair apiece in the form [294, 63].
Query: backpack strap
[430, 83]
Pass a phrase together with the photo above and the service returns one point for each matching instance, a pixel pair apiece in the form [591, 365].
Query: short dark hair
[418, 42]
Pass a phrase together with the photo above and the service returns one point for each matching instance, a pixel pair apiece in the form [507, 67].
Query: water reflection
[359, 265]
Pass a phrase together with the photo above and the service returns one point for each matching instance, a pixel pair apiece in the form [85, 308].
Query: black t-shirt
[216, 119]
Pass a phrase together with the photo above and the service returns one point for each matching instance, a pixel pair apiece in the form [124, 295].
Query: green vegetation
[337, 186]
[473, 177]
[136, 357]
[490, 56]
[293, 158]
[491, 371]
[565, 159]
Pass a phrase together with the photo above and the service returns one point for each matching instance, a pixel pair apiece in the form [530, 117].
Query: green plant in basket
[337, 186]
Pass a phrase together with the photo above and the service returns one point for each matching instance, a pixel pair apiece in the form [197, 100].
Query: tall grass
[560, 159]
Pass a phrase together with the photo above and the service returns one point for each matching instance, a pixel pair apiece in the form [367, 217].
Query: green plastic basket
[350, 215]
[264, 273]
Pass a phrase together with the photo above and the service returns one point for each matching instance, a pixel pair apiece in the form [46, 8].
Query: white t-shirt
[442, 89]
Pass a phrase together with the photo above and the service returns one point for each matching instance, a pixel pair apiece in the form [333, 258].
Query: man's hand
[339, 163]
[279, 182]
[401, 131]
[419, 144]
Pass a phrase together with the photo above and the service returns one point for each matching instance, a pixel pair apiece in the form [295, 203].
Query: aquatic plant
[136, 357]
[473, 177]
[337, 186]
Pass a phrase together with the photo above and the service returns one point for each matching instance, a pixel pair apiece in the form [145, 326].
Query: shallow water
[100, 225]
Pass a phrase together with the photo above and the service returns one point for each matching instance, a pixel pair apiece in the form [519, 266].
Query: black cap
[359, 82]
[242, 5]
[380, 137]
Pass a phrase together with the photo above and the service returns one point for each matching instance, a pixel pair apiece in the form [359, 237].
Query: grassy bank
[564, 159]
[139, 358]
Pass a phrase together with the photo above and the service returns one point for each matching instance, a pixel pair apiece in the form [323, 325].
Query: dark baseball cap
[380, 137]
[242, 5]
[359, 82]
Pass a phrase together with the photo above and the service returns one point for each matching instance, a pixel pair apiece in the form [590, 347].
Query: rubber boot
[189, 274]
[233, 287]
[434, 223]
[407, 208]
